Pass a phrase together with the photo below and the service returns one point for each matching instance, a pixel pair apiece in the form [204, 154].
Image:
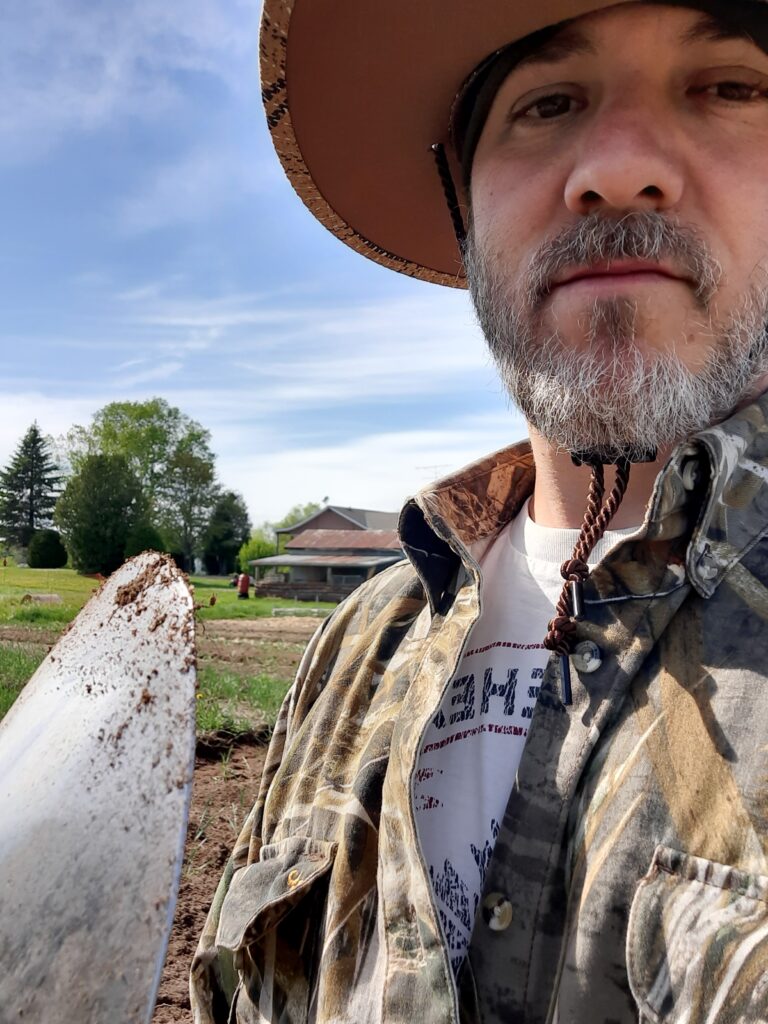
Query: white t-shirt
[472, 747]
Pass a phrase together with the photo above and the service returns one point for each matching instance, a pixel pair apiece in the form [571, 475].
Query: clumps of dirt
[215, 744]
[157, 622]
[129, 592]
[223, 792]
[145, 699]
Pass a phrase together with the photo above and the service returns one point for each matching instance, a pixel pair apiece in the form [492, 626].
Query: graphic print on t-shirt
[471, 749]
[468, 761]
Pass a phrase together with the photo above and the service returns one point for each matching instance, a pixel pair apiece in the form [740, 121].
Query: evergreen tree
[28, 489]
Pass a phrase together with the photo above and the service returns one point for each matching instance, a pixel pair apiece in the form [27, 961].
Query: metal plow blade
[96, 761]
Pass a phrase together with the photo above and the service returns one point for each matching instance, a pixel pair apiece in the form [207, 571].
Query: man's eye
[735, 92]
[549, 107]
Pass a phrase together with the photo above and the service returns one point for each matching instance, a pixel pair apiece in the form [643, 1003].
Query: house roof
[344, 540]
[342, 561]
[368, 519]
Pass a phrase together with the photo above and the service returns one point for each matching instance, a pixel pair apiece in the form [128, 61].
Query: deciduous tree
[261, 544]
[147, 434]
[295, 515]
[186, 497]
[170, 455]
[228, 529]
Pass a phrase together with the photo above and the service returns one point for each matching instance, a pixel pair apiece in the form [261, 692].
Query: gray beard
[615, 398]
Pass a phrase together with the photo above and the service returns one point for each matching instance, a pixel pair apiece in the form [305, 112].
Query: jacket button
[587, 657]
[497, 912]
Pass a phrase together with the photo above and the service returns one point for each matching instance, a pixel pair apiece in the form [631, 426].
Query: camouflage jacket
[630, 877]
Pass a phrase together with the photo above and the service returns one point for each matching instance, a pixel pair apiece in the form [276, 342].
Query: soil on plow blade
[224, 790]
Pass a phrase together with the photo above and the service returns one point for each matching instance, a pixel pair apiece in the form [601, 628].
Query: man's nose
[625, 163]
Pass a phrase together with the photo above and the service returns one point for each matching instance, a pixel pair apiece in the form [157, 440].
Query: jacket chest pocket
[270, 921]
[697, 943]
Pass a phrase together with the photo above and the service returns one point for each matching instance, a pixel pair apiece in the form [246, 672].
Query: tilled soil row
[222, 794]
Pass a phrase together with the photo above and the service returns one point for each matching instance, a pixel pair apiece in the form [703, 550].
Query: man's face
[619, 237]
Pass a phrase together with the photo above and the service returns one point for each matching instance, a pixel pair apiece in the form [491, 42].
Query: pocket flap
[698, 940]
[262, 893]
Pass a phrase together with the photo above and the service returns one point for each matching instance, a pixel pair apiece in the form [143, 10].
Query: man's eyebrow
[569, 42]
[709, 29]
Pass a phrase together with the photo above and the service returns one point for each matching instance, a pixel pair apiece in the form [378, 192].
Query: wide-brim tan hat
[358, 91]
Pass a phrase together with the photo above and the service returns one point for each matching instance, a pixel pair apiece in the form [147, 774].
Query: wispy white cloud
[273, 376]
[68, 65]
[370, 471]
[292, 357]
[153, 374]
[54, 415]
[150, 290]
[128, 364]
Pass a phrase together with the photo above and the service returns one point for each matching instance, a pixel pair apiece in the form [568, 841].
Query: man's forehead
[581, 35]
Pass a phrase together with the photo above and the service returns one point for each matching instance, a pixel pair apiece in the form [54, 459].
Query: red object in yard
[243, 584]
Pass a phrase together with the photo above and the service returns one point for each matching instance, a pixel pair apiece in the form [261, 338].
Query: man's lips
[618, 273]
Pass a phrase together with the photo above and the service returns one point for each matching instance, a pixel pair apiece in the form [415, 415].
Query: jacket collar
[440, 522]
[720, 476]
[733, 458]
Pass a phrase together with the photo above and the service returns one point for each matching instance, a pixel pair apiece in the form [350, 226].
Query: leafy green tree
[170, 455]
[148, 434]
[29, 487]
[97, 511]
[46, 550]
[295, 515]
[228, 529]
[260, 545]
[186, 497]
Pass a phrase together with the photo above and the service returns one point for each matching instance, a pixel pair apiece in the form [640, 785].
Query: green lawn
[228, 606]
[16, 666]
[225, 700]
[75, 590]
[228, 701]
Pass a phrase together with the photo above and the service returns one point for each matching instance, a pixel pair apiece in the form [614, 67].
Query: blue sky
[152, 246]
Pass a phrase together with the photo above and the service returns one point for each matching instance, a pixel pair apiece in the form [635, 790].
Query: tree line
[140, 475]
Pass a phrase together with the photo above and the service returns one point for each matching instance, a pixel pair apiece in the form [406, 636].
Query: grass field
[227, 698]
[16, 666]
[74, 590]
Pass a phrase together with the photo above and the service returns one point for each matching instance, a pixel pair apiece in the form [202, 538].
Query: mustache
[642, 235]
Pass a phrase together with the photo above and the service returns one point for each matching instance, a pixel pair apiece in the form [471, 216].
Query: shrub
[261, 545]
[46, 550]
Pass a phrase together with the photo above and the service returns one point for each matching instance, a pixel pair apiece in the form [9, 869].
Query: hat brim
[357, 91]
